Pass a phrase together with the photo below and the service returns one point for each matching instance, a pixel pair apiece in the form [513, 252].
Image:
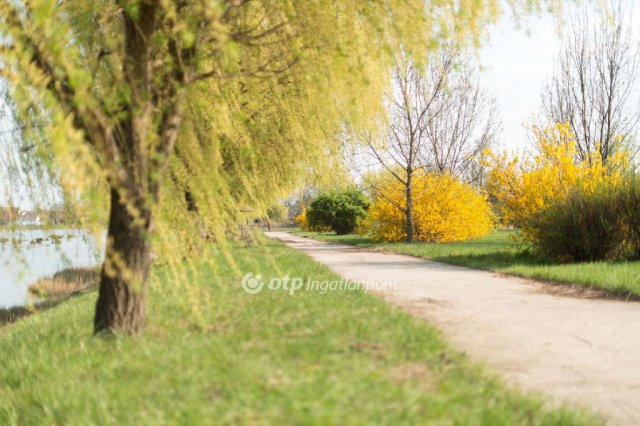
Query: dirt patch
[577, 291]
[377, 349]
[413, 371]
[570, 290]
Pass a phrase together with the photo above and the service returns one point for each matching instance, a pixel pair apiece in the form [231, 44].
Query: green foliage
[580, 227]
[259, 89]
[590, 225]
[187, 114]
[339, 211]
[630, 203]
[270, 359]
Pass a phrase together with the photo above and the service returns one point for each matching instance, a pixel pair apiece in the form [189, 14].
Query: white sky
[516, 63]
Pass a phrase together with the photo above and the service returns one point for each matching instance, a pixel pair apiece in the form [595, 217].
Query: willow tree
[155, 99]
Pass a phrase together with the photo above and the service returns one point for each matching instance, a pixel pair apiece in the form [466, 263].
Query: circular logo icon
[252, 284]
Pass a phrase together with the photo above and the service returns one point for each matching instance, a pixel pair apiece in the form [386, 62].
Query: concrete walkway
[576, 350]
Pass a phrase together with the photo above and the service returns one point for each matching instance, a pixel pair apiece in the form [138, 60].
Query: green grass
[500, 252]
[343, 357]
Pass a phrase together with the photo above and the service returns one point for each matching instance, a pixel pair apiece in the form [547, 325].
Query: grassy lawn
[499, 252]
[338, 358]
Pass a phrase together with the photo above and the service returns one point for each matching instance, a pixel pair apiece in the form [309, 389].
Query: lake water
[32, 254]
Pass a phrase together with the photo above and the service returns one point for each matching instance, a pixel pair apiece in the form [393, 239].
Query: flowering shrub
[301, 220]
[445, 209]
[522, 188]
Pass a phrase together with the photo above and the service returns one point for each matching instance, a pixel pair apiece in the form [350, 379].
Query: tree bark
[123, 281]
[409, 209]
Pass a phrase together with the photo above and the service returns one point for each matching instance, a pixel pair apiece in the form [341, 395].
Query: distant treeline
[15, 215]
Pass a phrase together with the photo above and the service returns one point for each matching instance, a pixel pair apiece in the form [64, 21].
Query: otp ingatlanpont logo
[252, 284]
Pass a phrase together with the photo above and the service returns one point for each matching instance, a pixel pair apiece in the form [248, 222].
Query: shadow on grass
[490, 261]
[354, 240]
[569, 283]
[495, 252]
[11, 315]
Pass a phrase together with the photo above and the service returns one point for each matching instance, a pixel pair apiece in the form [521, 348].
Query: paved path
[582, 351]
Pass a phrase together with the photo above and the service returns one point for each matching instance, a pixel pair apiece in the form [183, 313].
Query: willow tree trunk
[123, 280]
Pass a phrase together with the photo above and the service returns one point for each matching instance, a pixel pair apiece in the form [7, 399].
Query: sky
[516, 63]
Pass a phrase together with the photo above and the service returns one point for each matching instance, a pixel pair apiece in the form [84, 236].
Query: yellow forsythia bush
[445, 210]
[524, 187]
[301, 220]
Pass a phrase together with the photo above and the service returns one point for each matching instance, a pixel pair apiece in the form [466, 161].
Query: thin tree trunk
[123, 281]
[409, 210]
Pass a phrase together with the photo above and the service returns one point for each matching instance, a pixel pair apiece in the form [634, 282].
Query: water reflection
[27, 255]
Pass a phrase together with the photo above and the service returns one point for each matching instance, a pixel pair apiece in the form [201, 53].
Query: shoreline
[52, 290]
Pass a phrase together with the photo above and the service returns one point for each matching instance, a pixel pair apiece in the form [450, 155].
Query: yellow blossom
[444, 210]
[523, 187]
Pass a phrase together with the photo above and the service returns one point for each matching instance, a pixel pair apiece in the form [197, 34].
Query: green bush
[590, 226]
[339, 211]
[631, 211]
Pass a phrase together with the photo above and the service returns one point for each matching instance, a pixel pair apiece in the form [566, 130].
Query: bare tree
[404, 138]
[593, 87]
[440, 120]
[463, 122]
